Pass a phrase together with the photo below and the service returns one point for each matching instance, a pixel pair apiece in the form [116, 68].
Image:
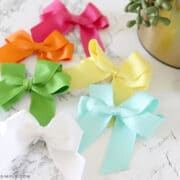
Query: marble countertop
[157, 158]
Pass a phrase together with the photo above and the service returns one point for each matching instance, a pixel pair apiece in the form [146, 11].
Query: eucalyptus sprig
[148, 12]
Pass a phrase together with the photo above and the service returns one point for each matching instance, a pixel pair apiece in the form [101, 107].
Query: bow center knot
[75, 19]
[81, 21]
[37, 46]
[115, 111]
[27, 84]
[95, 106]
[99, 107]
[115, 73]
[118, 74]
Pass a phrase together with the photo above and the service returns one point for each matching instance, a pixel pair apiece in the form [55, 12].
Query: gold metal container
[163, 42]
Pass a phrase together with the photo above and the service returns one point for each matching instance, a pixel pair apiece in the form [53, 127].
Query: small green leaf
[153, 20]
[166, 5]
[151, 11]
[164, 20]
[132, 7]
[159, 2]
[131, 23]
[146, 23]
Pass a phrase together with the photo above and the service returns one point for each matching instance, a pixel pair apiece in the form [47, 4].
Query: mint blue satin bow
[133, 117]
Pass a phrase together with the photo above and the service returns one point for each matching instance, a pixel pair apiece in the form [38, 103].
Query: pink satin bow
[57, 17]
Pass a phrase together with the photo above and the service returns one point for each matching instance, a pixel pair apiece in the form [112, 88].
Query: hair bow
[62, 137]
[57, 16]
[47, 81]
[20, 45]
[135, 117]
[133, 74]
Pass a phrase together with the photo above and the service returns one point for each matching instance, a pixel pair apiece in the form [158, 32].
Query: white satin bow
[62, 137]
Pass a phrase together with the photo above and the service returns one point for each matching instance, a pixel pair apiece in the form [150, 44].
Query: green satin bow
[47, 81]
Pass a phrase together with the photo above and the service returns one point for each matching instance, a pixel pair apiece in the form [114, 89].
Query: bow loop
[100, 59]
[47, 69]
[13, 81]
[38, 47]
[136, 72]
[20, 35]
[57, 16]
[94, 17]
[95, 106]
[136, 116]
[13, 70]
[20, 45]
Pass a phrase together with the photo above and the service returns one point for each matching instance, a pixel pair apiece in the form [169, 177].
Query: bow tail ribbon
[93, 128]
[120, 149]
[41, 104]
[90, 122]
[86, 34]
[121, 145]
[90, 31]
[42, 99]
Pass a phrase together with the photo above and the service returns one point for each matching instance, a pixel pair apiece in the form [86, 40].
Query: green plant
[148, 12]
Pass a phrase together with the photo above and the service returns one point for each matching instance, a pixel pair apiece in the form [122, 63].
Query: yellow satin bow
[133, 74]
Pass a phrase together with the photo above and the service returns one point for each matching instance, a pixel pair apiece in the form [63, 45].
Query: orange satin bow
[20, 45]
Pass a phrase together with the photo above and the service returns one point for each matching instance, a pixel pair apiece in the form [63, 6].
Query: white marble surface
[157, 158]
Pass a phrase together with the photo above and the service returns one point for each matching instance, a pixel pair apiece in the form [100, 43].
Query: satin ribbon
[47, 81]
[135, 117]
[20, 45]
[133, 74]
[62, 137]
[57, 16]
